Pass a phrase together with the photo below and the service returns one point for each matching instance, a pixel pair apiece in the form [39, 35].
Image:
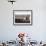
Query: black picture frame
[27, 13]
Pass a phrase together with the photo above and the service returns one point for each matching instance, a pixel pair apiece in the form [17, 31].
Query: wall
[38, 29]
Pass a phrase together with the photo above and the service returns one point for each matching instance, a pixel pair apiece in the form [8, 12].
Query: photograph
[22, 19]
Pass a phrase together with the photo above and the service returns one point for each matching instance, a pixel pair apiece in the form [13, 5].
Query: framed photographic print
[22, 17]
